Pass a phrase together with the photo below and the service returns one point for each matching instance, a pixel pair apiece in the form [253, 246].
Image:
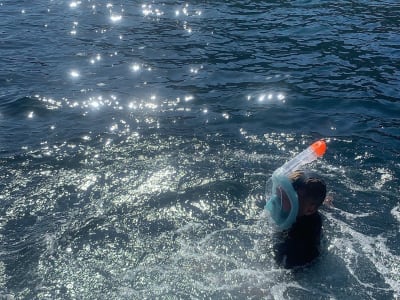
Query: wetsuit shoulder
[300, 244]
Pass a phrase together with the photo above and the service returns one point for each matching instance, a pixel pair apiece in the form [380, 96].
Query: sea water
[136, 136]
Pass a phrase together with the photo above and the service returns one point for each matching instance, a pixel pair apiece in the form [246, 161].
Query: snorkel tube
[283, 203]
[317, 149]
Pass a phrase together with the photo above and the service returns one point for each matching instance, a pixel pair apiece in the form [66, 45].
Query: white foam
[373, 248]
[385, 176]
[2, 276]
[396, 212]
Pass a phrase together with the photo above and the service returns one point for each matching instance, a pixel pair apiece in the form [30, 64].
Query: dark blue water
[135, 138]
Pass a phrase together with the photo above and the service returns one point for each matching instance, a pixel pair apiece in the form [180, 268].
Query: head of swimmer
[310, 189]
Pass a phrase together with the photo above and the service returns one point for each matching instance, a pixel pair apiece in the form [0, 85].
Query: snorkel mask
[283, 204]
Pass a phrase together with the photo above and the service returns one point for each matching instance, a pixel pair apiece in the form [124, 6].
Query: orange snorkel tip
[319, 148]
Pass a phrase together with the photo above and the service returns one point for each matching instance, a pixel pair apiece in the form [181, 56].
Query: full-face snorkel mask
[283, 202]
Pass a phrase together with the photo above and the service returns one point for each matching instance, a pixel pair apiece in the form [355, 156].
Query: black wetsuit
[300, 244]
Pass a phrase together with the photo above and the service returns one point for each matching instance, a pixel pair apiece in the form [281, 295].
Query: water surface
[135, 138]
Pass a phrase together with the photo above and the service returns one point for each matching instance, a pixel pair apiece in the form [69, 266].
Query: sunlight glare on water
[137, 137]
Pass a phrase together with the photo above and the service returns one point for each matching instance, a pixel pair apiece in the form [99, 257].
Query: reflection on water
[152, 216]
[133, 169]
[74, 73]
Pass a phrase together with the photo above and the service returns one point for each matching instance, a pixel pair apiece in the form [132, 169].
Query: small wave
[25, 106]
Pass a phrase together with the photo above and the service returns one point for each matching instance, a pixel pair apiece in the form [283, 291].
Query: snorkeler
[293, 204]
[299, 243]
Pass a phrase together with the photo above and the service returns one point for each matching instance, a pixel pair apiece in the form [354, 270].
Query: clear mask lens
[283, 202]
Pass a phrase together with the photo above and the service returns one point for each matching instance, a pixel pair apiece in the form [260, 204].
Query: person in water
[294, 207]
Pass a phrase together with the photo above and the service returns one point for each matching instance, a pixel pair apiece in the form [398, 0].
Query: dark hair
[310, 184]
